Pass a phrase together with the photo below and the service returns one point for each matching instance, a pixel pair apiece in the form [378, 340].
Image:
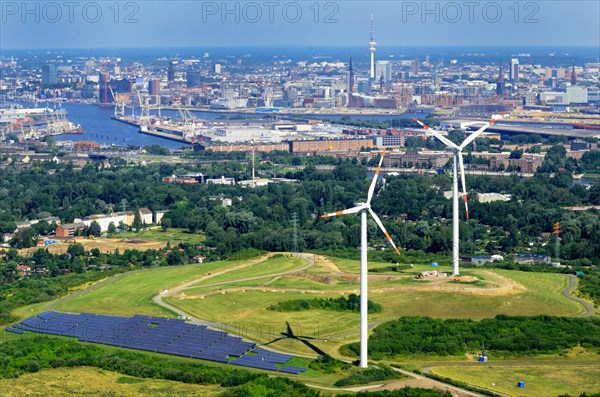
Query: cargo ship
[578, 126]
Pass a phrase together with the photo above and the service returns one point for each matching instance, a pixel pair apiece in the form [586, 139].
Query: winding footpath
[158, 299]
[589, 309]
[416, 379]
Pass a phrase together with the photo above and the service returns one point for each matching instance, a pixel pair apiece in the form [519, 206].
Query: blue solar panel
[290, 369]
[171, 336]
[47, 315]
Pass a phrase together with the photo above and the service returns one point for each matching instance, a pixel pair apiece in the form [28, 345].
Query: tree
[157, 150]
[137, 221]
[94, 229]
[165, 224]
[175, 257]
[516, 154]
[76, 250]
[24, 238]
[590, 161]
[112, 229]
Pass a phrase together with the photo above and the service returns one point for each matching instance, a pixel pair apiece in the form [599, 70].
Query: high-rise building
[415, 66]
[363, 87]
[384, 68]
[154, 87]
[193, 79]
[171, 72]
[514, 70]
[557, 73]
[49, 74]
[217, 68]
[500, 85]
[104, 95]
[108, 87]
[573, 76]
[350, 77]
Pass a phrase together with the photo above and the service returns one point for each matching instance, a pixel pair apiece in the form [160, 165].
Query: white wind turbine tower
[458, 162]
[363, 208]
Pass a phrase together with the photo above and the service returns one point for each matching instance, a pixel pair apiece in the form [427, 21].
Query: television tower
[372, 44]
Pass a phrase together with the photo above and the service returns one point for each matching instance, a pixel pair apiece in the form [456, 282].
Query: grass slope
[540, 381]
[175, 236]
[90, 381]
[132, 293]
[244, 303]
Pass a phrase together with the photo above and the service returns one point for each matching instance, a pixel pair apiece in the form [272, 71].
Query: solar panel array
[156, 334]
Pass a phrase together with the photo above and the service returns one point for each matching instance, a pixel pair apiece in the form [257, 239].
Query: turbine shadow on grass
[289, 334]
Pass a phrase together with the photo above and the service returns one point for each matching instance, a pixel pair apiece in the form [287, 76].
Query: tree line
[412, 207]
[504, 335]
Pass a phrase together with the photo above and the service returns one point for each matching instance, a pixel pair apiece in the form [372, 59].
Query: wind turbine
[363, 208]
[458, 162]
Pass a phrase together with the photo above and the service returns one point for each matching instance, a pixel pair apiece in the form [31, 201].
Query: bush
[372, 374]
[341, 304]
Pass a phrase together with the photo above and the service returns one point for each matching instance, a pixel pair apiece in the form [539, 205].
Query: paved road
[567, 292]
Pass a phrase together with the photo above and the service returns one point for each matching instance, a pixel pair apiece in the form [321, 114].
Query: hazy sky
[107, 23]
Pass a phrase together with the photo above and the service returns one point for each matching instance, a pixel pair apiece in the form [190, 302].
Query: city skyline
[130, 24]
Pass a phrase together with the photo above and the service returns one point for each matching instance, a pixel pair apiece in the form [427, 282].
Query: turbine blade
[378, 221]
[352, 210]
[374, 181]
[421, 123]
[462, 181]
[437, 134]
[443, 139]
[474, 135]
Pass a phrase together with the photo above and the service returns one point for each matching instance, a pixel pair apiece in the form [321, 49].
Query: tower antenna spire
[372, 44]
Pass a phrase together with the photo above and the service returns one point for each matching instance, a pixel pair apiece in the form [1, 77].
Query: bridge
[519, 129]
[389, 170]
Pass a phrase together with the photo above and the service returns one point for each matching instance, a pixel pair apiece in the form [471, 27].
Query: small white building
[146, 216]
[104, 220]
[221, 181]
[158, 215]
[577, 94]
[490, 197]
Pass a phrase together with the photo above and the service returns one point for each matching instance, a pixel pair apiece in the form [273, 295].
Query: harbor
[35, 123]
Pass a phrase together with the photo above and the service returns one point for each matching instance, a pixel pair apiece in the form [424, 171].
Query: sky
[301, 23]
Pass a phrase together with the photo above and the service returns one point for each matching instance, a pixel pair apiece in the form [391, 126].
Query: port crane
[189, 122]
[119, 104]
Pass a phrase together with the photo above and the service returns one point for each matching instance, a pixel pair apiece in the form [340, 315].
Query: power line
[295, 223]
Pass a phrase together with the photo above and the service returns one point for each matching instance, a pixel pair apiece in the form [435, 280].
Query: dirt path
[505, 286]
[415, 380]
[158, 299]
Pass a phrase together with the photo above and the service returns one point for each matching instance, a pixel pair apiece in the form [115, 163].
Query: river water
[99, 127]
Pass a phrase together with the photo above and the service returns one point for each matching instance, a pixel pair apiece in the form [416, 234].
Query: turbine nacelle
[367, 206]
[457, 151]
